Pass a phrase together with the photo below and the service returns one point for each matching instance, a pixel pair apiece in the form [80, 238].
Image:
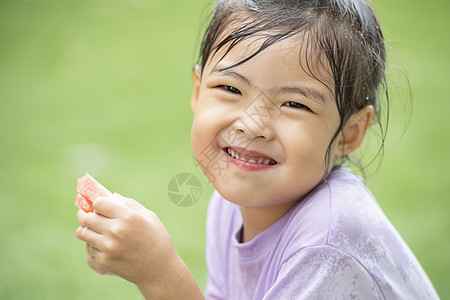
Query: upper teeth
[260, 160]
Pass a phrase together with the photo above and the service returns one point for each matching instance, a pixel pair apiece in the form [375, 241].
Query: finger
[91, 237]
[80, 216]
[96, 222]
[135, 206]
[91, 251]
[109, 207]
[131, 203]
[93, 261]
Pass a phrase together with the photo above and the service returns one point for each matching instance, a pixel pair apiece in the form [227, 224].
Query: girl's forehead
[280, 67]
[294, 52]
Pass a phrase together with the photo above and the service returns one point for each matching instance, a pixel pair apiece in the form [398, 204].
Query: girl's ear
[354, 131]
[196, 88]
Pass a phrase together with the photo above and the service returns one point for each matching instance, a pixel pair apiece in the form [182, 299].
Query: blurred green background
[104, 86]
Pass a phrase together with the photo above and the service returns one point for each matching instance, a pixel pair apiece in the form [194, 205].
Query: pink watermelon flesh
[88, 190]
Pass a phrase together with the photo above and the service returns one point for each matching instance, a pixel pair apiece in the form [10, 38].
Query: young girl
[285, 91]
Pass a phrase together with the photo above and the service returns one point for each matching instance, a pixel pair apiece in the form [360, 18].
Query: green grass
[104, 86]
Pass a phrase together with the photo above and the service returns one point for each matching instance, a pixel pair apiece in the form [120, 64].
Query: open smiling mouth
[250, 157]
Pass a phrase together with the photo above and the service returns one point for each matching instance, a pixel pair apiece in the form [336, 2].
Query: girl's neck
[257, 219]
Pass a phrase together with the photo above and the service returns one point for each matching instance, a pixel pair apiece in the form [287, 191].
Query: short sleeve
[220, 222]
[214, 251]
[323, 272]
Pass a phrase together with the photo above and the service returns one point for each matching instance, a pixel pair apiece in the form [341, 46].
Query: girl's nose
[256, 119]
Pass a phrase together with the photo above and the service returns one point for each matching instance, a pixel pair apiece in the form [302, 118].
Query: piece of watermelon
[84, 204]
[88, 190]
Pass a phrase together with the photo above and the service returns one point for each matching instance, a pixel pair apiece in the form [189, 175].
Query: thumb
[131, 203]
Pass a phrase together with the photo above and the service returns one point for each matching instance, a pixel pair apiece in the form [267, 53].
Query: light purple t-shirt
[334, 244]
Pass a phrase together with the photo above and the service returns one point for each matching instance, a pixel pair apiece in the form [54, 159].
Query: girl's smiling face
[261, 129]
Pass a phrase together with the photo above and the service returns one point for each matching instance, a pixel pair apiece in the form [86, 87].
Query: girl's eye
[295, 105]
[231, 89]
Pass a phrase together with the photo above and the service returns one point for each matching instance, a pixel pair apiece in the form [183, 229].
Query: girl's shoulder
[341, 216]
[340, 209]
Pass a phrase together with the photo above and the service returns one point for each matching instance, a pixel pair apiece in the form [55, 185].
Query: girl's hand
[126, 239]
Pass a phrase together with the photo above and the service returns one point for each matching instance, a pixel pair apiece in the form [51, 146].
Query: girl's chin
[242, 196]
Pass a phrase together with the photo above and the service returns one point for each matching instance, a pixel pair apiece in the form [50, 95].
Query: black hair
[345, 32]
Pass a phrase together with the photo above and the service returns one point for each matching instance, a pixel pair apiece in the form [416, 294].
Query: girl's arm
[182, 287]
[126, 239]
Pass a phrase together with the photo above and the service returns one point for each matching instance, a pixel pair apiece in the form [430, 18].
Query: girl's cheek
[200, 136]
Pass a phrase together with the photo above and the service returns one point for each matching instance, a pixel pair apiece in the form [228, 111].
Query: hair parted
[345, 32]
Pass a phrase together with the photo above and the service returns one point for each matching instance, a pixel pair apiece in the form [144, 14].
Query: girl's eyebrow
[305, 91]
[299, 89]
[232, 74]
